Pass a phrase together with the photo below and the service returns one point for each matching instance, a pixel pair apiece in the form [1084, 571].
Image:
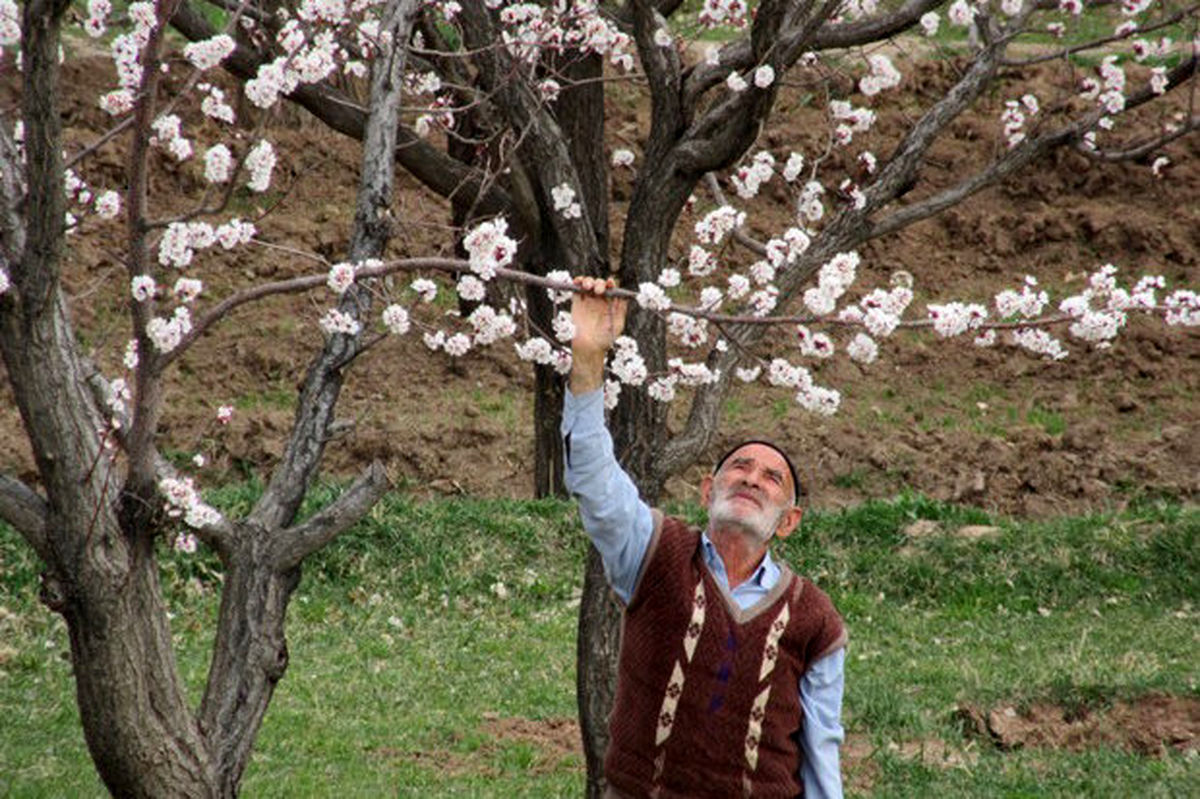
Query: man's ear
[706, 489]
[789, 521]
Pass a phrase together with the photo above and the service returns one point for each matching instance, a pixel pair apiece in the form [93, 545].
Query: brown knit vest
[708, 700]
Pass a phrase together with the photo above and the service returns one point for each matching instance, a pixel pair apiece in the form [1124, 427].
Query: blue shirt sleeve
[615, 518]
[821, 697]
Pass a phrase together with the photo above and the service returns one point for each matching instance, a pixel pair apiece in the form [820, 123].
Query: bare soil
[998, 429]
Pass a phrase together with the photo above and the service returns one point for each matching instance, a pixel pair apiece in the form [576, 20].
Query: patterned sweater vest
[708, 700]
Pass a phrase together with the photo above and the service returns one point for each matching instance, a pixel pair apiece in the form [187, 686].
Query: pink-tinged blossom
[814, 345]
[457, 345]
[701, 262]
[612, 394]
[764, 76]
[108, 205]
[929, 23]
[425, 289]
[564, 202]
[185, 543]
[174, 248]
[117, 102]
[985, 339]
[187, 289]
[489, 247]
[182, 499]
[719, 223]
[690, 331]
[627, 364]
[961, 13]
[747, 374]
[783, 373]
[130, 359]
[1028, 303]
[559, 276]
[809, 204]
[233, 233]
[669, 278]
[209, 53]
[793, 167]
[536, 350]
[260, 161]
[218, 163]
[693, 374]
[662, 38]
[490, 326]
[1183, 308]
[341, 277]
[168, 135]
[762, 273]
[662, 389]
[1039, 342]
[763, 301]
[732, 13]
[395, 319]
[711, 298]
[867, 162]
[883, 75]
[736, 82]
[336, 322]
[651, 296]
[955, 318]
[4, 282]
[1158, 80]
[862, 348]
[1057, 30]
[96, 23]
[748, 179]
[739, 286]
[1159, 165]
[622, 157]
[214, 105]
[819, 302]
[564, 327]
[471, 288]
[549, 89]
[819, 400]
[164, 334]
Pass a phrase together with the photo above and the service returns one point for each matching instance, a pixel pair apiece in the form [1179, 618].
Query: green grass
[404, 654]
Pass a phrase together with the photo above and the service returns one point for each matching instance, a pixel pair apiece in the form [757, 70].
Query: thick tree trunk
[597, 644]
[139, 730]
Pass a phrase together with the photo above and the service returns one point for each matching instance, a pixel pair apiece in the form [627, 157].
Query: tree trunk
[597, 645]
[139, 731]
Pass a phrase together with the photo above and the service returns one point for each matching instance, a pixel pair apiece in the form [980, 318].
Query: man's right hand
[598, 321]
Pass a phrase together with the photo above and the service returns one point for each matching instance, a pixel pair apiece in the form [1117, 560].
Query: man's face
[752, 491]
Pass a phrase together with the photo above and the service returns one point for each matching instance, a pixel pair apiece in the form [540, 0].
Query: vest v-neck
[739, 615]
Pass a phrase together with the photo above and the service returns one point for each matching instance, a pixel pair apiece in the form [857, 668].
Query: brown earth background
[995, 428]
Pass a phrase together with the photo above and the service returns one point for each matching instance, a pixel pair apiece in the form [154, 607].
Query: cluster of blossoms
[719, 223]
[336, 322]
[106, 204]
[724, 13]
[748, 180]
[489, 247]
[850, 120]
[883, 75]
[530, 29]
[564, 202]
[166, 333]
[182, 499]
[180, 241]
[1014, 118]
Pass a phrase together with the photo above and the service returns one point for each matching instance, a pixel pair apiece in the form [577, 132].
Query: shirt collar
[765, 576]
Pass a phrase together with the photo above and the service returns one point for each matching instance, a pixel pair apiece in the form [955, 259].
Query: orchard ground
[996, 428]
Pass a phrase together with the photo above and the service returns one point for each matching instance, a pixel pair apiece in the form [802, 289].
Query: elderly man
[731, 666]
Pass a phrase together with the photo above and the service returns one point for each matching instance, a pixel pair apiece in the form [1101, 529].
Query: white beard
[760, 525]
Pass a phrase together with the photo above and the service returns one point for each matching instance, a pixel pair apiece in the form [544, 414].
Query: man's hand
[598, 322]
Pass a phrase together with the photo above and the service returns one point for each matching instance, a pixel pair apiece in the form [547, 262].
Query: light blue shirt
[619, 524]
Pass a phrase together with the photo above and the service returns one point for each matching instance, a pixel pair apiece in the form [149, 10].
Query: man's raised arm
[614, 517]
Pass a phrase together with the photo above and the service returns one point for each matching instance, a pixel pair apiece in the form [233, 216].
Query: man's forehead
[768, 457]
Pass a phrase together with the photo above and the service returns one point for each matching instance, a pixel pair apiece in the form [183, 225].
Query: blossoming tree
[504, 116]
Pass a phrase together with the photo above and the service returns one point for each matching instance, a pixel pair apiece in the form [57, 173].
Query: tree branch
[296, 543]
[27, 512]
[435, 169]
[372, 229]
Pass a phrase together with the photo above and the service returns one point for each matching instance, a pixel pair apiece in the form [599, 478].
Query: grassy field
[432, 651]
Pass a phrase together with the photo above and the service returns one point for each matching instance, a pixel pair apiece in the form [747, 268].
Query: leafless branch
[298, 542]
